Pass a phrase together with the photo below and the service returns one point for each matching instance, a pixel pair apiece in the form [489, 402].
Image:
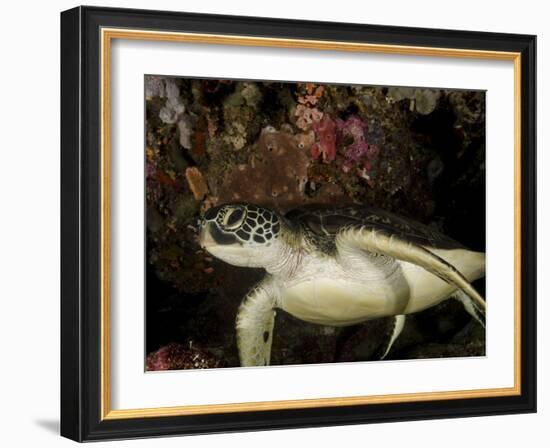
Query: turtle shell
[321, 223]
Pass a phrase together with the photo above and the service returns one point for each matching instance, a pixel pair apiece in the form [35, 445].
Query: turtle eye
[234, 218]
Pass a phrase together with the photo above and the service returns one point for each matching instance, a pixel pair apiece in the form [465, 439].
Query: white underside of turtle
[337, 267]
[326, 292]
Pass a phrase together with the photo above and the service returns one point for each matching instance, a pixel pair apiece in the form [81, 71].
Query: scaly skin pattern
[254, 324]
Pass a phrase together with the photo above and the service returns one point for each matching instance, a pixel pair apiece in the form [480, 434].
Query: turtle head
[240, 234]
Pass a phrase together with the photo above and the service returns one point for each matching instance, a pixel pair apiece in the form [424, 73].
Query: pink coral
[359, 153]
[356, 151]
[311, 99]
[353, 127]
[177, 357]
[306, 116]
[325, 129]
[306, 112]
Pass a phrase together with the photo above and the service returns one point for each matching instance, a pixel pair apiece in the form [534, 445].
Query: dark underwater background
[418, 152]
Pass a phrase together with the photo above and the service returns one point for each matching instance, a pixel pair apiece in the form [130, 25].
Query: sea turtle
[337, 266]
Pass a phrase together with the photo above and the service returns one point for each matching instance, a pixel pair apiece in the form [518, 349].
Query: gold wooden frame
[107, 35]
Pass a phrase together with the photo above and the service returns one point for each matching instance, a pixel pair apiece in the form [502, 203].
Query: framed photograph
[272, 223]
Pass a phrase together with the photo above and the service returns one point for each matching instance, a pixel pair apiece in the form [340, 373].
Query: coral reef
[415, 151]
[306, 113]
[276, 174]
[325, 129]
[423, 101]
[196, 183]
[177, 357]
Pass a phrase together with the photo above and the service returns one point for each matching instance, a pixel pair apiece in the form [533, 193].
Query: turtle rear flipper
[255, 321]
[471, 307]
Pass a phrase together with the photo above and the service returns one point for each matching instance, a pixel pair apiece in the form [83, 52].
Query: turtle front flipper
[380, 241]
[255, 321]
